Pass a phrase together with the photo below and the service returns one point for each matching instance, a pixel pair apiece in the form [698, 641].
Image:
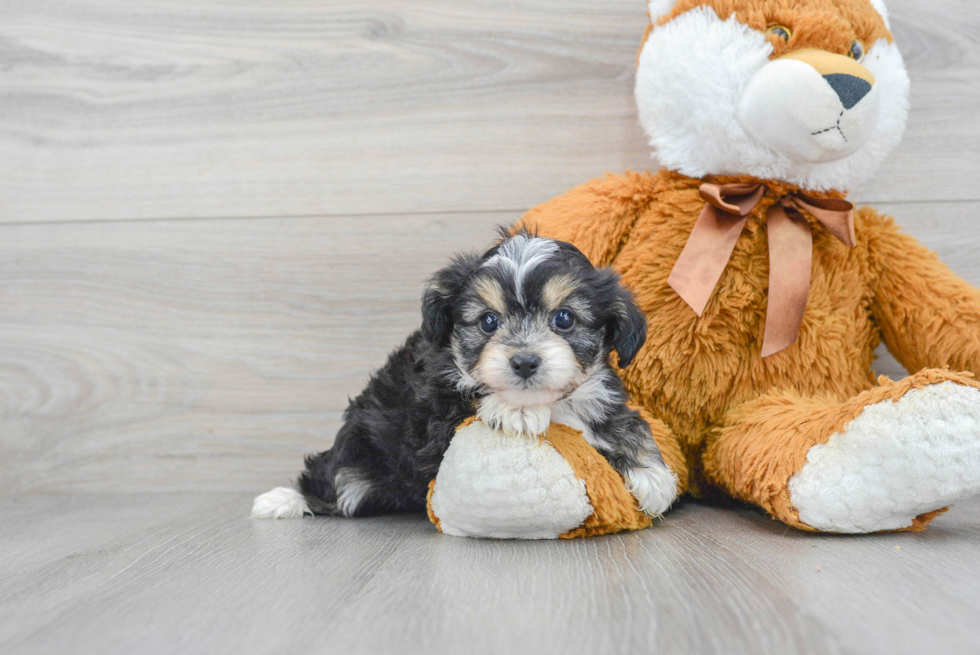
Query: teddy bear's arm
[928, 316]
[597, 216]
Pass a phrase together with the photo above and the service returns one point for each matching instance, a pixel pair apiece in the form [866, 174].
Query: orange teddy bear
[766, 294]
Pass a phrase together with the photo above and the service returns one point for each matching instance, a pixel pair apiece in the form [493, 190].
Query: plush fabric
[614, 509]
[805, 97]
[699, 58]
[725, 418]
[495, 485]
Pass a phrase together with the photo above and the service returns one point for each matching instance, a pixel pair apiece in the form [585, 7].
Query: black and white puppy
[521, 336]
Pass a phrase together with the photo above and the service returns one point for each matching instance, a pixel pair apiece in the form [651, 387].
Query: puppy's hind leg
[280, 503]
[359, 475]
[321, 489]
[315, 492]
[344, 481]
[318, 483]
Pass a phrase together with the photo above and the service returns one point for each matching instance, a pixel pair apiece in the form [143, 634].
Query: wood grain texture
[191, 574]
[213, 354]
[216, 218]
[324, 107]
[188, 353]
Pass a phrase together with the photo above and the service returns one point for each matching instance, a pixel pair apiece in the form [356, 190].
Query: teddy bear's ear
[660, 8]
[440, 297]
[879, 6]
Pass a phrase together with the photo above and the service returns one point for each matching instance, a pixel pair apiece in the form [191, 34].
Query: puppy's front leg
[625, 441]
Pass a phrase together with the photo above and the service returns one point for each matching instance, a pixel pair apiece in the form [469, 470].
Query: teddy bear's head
[812, 92]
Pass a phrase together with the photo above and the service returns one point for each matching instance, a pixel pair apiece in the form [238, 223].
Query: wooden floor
[216, 218]
[189, 573]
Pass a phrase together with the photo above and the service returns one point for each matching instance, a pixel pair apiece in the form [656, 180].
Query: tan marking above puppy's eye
[557, 289]
[491, 293]
[779, 31]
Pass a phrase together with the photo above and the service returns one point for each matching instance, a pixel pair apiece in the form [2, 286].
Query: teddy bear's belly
[494, 485]
[713, 361]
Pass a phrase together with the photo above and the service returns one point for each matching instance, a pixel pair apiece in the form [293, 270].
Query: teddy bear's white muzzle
[790, 107]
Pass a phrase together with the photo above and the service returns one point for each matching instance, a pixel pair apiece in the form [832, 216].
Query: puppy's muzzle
[525, 365]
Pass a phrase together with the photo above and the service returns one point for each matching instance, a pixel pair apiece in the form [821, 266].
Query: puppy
[520, 336]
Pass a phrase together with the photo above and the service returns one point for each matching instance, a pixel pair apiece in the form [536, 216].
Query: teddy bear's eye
[857, 51]
[779, 31]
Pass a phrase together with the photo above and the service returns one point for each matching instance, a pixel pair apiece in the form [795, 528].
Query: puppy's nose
[525, 364]
[849, 89]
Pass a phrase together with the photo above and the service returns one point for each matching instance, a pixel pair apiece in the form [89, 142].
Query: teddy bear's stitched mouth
[835, 126]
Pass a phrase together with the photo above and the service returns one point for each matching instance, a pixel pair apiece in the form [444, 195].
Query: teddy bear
[766, 292]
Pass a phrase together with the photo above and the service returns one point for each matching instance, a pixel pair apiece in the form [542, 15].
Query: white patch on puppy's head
[712, 102]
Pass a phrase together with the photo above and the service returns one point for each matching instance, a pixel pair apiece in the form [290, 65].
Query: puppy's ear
[440, 296]
[629, 326]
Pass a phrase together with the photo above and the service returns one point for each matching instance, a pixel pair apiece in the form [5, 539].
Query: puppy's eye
[563, 320]
[489, 323]
[780, 32]
[857, 51]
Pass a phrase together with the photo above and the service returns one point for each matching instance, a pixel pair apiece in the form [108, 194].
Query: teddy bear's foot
[896, 461]
[889, 458]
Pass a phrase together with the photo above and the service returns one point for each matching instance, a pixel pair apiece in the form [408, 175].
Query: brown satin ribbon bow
[710, 246]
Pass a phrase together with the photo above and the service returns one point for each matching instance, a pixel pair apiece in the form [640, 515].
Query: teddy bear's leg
[891, 458]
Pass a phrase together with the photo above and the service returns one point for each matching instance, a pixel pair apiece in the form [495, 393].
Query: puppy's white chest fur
[492, 484]
[515, 420]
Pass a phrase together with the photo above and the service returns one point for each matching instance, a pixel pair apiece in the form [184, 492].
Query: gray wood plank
[191, 574]
[881, 592]
[188, 353]
[213, 354]
[262, 108]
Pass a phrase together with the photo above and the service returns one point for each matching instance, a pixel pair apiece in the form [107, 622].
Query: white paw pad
[280, 503]
[893, 462]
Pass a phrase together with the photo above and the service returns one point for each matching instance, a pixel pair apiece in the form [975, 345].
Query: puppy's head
[813, 92]
[530, 320]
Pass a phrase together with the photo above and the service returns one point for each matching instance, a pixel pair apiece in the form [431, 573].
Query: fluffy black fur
[396, 431]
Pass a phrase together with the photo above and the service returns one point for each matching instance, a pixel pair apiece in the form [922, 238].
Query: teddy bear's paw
[654, 487]
[895, 461]
[280, 503]
[493, 485]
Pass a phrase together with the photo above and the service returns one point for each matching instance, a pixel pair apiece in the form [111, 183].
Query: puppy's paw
[654, 487]
[280, 503]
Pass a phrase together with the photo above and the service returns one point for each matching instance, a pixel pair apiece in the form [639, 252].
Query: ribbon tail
[790, 261]
[836, 214]
[705, 256]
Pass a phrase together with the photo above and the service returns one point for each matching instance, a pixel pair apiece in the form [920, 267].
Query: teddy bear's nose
[525, 364]
[849, 89]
